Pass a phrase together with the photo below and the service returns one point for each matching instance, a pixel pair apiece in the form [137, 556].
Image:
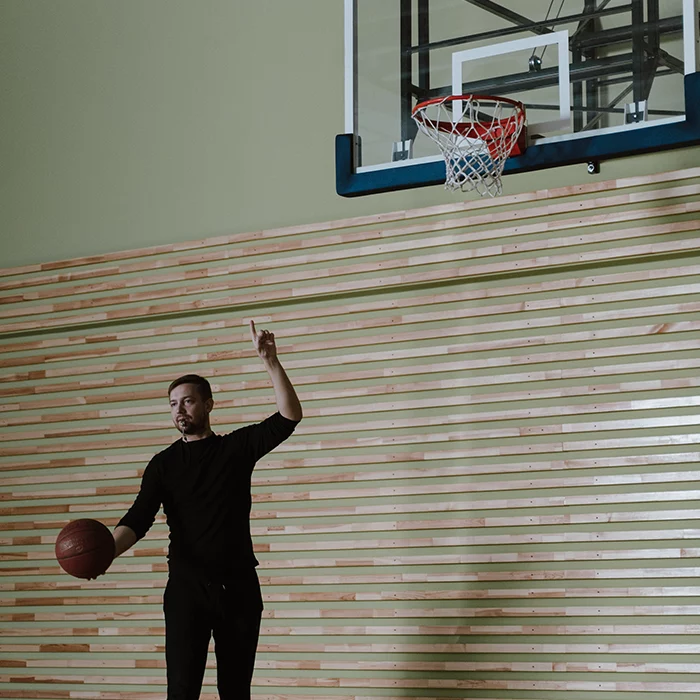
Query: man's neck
[197, 436]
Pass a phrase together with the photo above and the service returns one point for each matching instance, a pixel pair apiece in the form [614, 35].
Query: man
[203, 481]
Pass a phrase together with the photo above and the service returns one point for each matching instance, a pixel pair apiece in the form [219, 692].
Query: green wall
[132, 123]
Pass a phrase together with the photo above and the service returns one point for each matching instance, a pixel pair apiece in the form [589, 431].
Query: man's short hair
[203, 386]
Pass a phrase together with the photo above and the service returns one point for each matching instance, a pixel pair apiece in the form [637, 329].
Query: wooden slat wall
[494, 493]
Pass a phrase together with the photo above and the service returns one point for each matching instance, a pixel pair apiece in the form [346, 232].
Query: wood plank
[395, 666]
[432, 543]
[386, 283]
[497, 557]
[390, 526]
[662, 573]
[668, 311]
[539, 483]
[596, 498]
[444, 421]
[342, 682]
[261, 480]
[314, 598]
[384, 356]
[394, 389]
[497, 613]
[234, 281]
[425, 237]
[373, 219]
[357, 460]
[494, 418]
[434, 299]
[515, 448]
[548, 649]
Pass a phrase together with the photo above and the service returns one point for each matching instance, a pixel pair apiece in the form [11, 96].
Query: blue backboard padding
[348, 183]
[549, 155]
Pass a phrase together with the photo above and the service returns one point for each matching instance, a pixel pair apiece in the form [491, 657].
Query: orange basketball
[85, 548]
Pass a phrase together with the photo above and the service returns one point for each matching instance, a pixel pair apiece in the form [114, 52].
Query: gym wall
[494, 491]
[130, 124]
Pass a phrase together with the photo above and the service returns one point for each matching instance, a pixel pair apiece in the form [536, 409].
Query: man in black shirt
[203, 481]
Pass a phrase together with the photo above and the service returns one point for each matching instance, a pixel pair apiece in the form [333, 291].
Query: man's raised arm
[288, 403]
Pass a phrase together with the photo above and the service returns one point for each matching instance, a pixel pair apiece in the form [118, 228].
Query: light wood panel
[327, 244]
[495, 487]
[374, 219]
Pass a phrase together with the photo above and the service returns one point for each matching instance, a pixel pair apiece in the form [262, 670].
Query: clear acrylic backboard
[599, 79]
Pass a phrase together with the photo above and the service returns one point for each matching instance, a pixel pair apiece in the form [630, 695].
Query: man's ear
[209, 405]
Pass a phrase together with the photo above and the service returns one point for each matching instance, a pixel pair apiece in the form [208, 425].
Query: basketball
[85, 548]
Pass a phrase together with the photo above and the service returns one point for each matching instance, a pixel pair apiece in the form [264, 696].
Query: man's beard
[189, 426]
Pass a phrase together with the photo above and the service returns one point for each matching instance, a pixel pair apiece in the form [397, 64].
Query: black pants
[196, 608]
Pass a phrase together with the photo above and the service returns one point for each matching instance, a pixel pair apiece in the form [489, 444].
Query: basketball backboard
[599, 79]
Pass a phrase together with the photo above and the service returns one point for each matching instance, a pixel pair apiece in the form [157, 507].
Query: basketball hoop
[476, 135]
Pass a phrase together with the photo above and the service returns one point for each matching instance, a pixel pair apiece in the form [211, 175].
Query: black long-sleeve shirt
[204, 487]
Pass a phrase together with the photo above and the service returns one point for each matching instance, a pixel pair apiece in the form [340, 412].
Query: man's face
[190, 412]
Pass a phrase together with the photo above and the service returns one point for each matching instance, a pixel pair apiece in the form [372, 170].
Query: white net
[476, 135]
